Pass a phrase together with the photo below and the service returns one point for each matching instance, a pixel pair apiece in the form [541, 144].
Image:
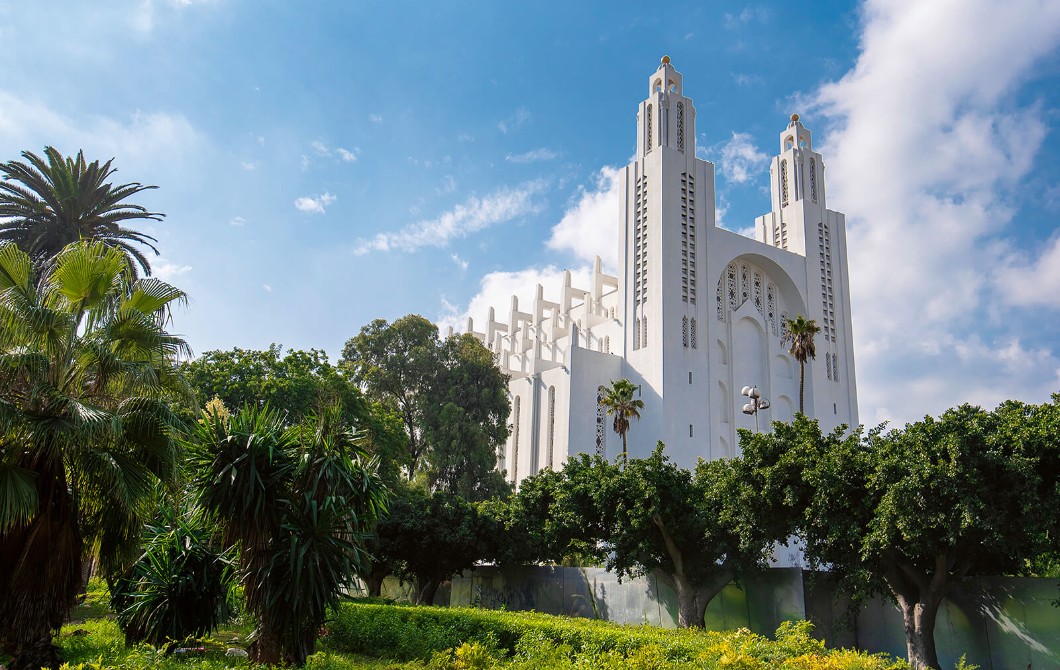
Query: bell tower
[667, 205]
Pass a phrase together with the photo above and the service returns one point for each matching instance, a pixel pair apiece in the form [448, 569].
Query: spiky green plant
[85, 429]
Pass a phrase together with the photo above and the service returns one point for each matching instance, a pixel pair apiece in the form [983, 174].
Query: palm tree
[85, 430]
[48, 203]
[298, 503]
[620, 403]
[799, 332]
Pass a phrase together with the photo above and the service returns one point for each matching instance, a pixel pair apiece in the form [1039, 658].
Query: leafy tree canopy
[450, 395]
[298, 384]
[912, 511]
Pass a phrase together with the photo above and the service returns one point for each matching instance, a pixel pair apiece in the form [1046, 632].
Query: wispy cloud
[458, 261]
[375, 118]
[519, 117]
[343, 154]
[315, 204]
[533, 156]
[745, 16]
[740, 159]
[237, 221]
[267, 288]
[473, 215]
[167, 270]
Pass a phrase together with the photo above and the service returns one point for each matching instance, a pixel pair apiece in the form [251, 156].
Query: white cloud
[929, 139]
[518, 118]
[375, 118]
[268, 289]
[747, 15]
[348, 156]
[237, 221]
[167, 270]
[315, 204]
[471, 216]
[459, 262]
[1029, 283]
[465, 137]
[137, 141]
[249, 166]
[740, 159]
[588, 227]
[497, 288]
[534, 156]
[320, 148]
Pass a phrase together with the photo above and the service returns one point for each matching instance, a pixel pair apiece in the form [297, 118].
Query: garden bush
[469, 639]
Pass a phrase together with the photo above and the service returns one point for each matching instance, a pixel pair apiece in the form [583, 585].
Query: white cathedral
[695, 315]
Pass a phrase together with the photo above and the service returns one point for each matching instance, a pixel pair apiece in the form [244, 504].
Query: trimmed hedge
[441, 638]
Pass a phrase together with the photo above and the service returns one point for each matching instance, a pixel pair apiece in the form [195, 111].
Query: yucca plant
[85, 429]
[297, 503]
[181, 587]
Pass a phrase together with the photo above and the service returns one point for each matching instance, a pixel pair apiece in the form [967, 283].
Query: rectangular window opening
[690, 430]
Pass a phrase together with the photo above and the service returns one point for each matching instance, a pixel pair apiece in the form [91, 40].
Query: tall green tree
[799, 333]
[49, 202]
[451, 396]
[85, 429]
[619, 402]
[912, 512]
[397, 363]
[466, 421]
[298, 502]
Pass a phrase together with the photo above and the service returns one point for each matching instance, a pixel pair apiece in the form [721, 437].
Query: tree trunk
[374, 585]
[267, 648]
[918, 619]
[427, 591]
[802, 388]
[692, 599]
[41, 654]
[625, 452]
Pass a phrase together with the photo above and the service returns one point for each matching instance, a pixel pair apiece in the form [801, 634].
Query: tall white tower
[667, 202]
[802, 223]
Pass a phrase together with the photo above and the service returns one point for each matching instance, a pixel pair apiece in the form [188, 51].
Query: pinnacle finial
[794, 118]
[665, 60]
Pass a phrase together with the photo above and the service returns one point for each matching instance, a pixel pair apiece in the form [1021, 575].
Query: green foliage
[799, 333]
[180, 588]
[450, 396]
[467, 638]
[429, 537]
[619, 402]
[697, 530]
[298, 384]
[86, 367]
[298, 503]
[48, 203]
[911, 512]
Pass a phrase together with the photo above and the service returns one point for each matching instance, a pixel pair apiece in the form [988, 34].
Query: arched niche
[750, 363]
[783, 409]
[783, 368]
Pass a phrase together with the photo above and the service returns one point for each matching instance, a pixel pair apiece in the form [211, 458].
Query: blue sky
[322, 164]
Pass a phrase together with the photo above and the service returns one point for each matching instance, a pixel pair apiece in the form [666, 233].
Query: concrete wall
[1001, 623]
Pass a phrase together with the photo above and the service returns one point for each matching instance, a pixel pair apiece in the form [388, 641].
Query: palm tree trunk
[625, 452]
[802, 388]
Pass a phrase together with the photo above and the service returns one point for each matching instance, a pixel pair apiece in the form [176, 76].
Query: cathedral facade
[696, 313]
